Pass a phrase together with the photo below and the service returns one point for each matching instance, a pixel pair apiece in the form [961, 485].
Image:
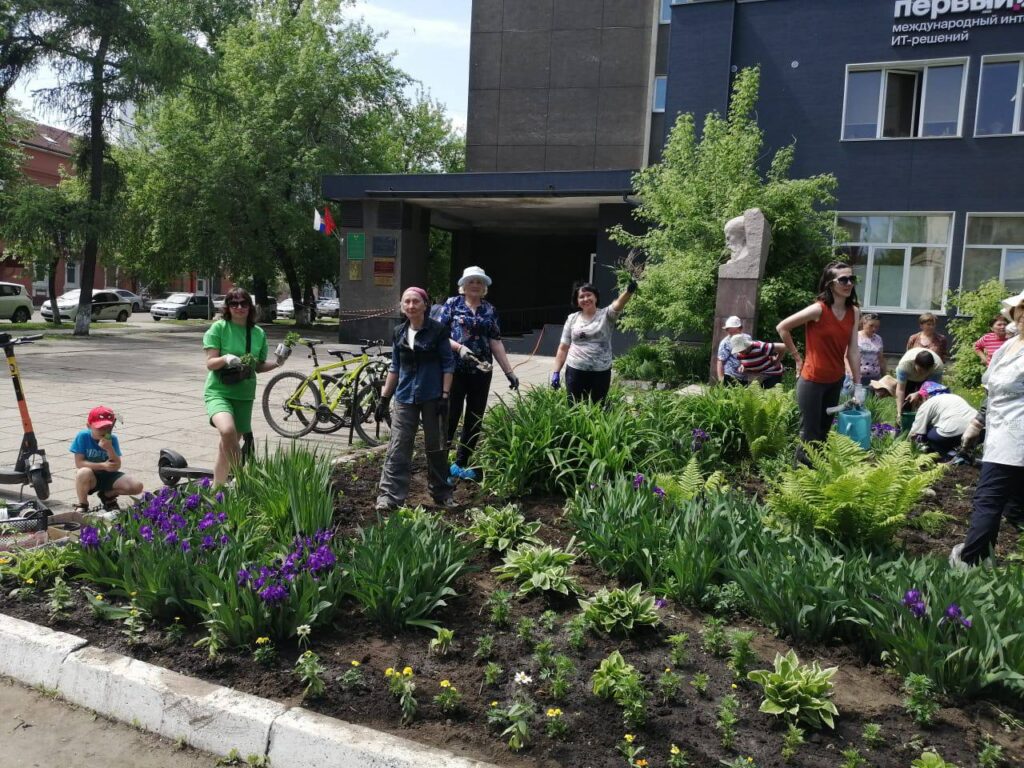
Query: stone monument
[747, 238]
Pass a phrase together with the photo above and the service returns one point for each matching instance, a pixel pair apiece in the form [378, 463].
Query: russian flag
[325, 223]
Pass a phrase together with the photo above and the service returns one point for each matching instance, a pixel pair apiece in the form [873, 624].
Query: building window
[999, 97]
[994, 248]
[660, 87]
[899, 258]
[71, 273]
[904, 100]
[666, 11]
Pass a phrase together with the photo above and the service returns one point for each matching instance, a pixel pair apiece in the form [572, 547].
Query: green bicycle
[340, 394]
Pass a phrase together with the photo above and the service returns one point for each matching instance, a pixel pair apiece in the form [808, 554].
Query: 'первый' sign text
[923, 22]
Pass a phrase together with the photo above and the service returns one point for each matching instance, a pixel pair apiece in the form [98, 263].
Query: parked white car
[106, 305]
[285, 309]
[328, 308]
[137, 302]
[15, 305]
[182, 306]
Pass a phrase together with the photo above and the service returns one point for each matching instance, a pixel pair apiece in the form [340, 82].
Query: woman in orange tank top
[831, 327]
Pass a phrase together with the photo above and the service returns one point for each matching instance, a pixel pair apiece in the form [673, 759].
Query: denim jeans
[394, 478]
[1000, 491]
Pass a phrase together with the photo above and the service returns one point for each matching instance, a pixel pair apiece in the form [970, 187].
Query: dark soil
[863, 693]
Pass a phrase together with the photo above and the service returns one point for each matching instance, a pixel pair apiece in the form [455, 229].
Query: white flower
[303, 630]
[522, 678]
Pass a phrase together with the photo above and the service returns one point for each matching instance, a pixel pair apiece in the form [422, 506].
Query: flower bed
[286, 591]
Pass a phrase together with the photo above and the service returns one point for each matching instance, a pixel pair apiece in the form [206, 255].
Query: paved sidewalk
[154, 381]
[40, 732]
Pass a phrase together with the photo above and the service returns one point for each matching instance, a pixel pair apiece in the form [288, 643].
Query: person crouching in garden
[942, 418]
[472, 323]
[759, 360]
[586, 346]
[420, 378]
[728, 365]
[1000, 488]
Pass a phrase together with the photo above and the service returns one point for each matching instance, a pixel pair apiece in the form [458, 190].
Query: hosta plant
[501, 528]
[931, 760]
[536, 568]
[798, 692]
[849, 496]
[620, 611]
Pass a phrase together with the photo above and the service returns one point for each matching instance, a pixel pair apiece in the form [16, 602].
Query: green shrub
[975, 310]
[799, 692]
[665, 361]
[850, 496]
[537, 568]
[500, 528]
[768, 419]
[403, 569]
[620, 611]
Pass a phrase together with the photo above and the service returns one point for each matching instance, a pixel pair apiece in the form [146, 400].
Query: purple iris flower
[638, 481]
[185, 546]
[914, 600]
[192, 501]
[205, 482]
[954, 615]
[699, 438]
[661, 602]
[659, 492]
[172, 538]
[146, 533]
[208, 542]
[243, 577]
[219, 497]
[275, 593]
[89, 538]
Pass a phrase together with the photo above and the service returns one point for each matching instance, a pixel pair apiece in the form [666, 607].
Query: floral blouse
[471, 328]
[870, 355]
[938, 344]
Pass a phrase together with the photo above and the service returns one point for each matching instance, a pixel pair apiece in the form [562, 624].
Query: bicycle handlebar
[6, 340]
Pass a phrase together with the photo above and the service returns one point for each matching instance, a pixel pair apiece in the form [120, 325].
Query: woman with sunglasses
[831, 324]
[231, 383]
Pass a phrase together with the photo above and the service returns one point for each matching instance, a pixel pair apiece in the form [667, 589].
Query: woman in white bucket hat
[1000, 488]
[476, 339]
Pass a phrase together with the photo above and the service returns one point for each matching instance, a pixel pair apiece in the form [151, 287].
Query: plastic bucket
[907, 420]
[856, 425]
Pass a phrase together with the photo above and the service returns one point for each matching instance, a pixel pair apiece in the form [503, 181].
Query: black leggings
[470, 389]
[813, 399]
[593, 385]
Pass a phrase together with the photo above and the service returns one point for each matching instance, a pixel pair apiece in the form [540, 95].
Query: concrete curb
[209, 717]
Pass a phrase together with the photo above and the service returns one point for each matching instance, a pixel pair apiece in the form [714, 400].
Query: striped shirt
[988, 344]
[759, 360]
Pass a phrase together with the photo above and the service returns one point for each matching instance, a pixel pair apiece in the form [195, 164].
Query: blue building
[917, 107]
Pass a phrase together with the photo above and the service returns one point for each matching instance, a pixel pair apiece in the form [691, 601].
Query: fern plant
[767, 418]
[849, 496]
[499, 529]
[690, 484]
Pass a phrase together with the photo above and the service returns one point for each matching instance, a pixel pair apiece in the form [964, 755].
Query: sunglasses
[238, 304]
[846, 280]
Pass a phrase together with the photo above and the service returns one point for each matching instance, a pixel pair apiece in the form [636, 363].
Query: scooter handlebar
[28, 339]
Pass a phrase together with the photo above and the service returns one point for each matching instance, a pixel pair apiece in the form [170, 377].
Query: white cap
[740, 343]
[470, 272]
[732, 322]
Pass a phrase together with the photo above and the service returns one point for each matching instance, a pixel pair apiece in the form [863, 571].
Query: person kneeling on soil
[98, 463]
[943, 418]
[915, 368]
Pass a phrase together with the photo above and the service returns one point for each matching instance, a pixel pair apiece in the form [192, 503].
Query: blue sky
[430, 40]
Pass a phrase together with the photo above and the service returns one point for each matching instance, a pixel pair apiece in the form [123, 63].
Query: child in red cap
[98, 462]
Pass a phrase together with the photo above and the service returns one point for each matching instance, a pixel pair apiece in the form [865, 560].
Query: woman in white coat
[1001, 483]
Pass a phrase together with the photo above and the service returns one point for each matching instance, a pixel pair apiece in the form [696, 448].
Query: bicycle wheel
[372, 431]
[289, 404]
[328, 422]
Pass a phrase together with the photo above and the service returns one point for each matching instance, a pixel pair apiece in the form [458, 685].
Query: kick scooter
[31, 467]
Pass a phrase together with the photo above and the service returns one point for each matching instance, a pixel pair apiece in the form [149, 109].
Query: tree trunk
[294, 286]
[310, 301]
[264, 313]
[51, 289]
[97, 103]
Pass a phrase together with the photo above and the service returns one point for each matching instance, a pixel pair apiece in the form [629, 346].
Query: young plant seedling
[484, 647]
[669, 685]
[265, 653]
[713, 639]
[310, 672]
[741, 655]
[555, 726]
[500, 606]
[352, 678]
[678, 654]
[547, 620]
[920, 700]
[700, 683]
[577, 630]
[872, 735]
[852, 758]
[442, 644]
[524, 631]
[449, 699]
[403, 687]
[791, 742]
[492, 674]
[728, 717]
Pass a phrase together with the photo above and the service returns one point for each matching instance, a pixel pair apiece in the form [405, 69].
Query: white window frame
[1002, 58]
[654, 94]
[921, 66]
[906, 260]
[666, 5]
[1003, 248]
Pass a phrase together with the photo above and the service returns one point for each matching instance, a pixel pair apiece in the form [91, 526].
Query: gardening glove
[442, 408]
[556, 380]
[632, 287]
[971, 435]
[464, 352]
[380, 413]
[232, 361]
[282, 352]
[513, 380]
[859, 395]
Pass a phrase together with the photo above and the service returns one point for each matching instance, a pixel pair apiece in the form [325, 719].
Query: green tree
[974, 312]
[227, 175]
[40, 225]
[701, 183]
[108, 56]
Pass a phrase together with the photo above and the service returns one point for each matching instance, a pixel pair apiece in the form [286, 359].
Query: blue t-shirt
[732, 363]
[87, 445]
